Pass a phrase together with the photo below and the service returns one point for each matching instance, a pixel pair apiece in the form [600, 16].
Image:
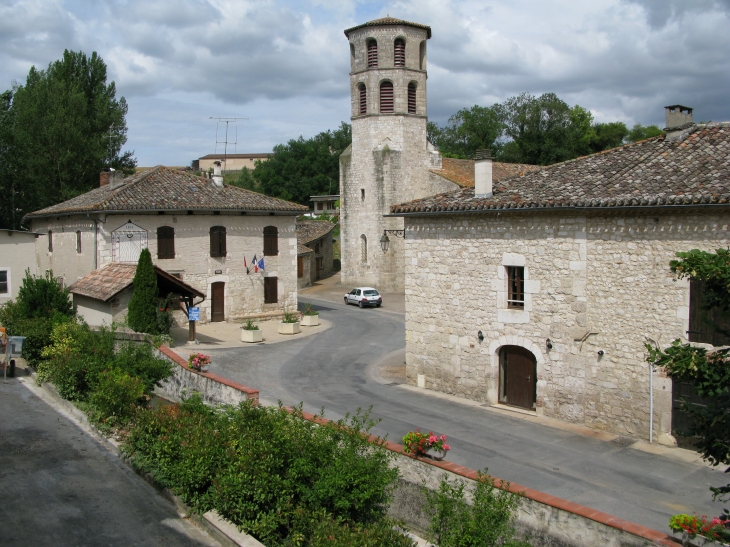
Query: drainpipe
[651, 404]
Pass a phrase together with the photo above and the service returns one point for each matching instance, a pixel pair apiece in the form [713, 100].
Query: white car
[364, 296]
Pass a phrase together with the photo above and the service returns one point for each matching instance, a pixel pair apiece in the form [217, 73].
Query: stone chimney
[217, 175]
[483, 174]
[677, 117]
[111, 176]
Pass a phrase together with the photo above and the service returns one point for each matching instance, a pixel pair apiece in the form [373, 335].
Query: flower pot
[310, 320]
[204, 368]
[696, 541]
[437, 455]
[289, 328]
[252, 335]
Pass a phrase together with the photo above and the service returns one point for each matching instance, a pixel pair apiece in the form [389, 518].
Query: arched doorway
[517, 377]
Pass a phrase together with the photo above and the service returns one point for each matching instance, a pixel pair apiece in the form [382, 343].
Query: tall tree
[607, 135]
[469, 130]
[58, 131]
[302, 168]
[640, 132]
[142, 310]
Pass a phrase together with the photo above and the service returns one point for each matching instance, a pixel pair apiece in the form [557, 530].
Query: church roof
[389, 21]
[461, 172]
[165, 189]
[656, 172]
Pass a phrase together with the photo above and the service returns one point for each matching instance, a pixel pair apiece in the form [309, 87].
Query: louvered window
[165, 242]
[372, 53]
[515, 287]
[400, 53]
[411, 98]
[50, 241]
[218, 241]
[386, 97]
[271, 290]
[271, 241]
[363, 99]
[78, 241]
[363, 249]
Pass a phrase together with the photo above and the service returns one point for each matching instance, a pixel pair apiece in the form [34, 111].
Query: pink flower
[443, 437]
[446, 447]
[432, 439]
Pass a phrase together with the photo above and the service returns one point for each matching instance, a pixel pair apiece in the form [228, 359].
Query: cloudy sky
[283, 64]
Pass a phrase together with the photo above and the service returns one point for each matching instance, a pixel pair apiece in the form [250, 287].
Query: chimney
[677, 117]
[217, 176]
[104, 176]
[483, 174]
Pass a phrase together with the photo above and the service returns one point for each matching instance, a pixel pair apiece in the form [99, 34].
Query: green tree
[302, 168]
[244, 179]
[640, 132]
[142, 312]
[607, 135]
[57, 131]
[469, 130]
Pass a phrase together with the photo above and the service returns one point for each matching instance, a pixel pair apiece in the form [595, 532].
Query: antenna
[111, 136]
[226, 142]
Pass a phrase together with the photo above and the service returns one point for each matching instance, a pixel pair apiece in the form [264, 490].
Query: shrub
[43, 297]
[138, 360]
[116, 394]
[142, 312]
[308, 310]
[165, 321]
[250, 325]
[290, 317]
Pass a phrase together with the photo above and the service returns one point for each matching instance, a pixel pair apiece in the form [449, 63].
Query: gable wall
[17, 253]
[607, 275]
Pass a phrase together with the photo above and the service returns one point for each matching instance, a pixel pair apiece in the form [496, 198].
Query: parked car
[364, 296]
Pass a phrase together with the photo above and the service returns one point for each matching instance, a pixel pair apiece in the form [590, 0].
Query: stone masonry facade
[592, 283]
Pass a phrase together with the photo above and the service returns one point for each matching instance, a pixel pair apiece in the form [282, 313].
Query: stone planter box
[310, 320]
[697, 541]
[252, 335]
[289, 328]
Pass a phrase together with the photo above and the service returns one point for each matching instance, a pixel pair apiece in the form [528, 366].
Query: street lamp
[385, 240]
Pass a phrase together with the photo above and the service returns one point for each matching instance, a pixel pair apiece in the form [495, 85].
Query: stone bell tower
[389, 159]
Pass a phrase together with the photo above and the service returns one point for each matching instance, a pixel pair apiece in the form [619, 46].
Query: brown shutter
[411, 98]
[363, 99]
[271, 241]
[300, 267]
[372, 53]
[218, 241]
[400, 53]
[271, 290]
[386, 97]
[165, 242]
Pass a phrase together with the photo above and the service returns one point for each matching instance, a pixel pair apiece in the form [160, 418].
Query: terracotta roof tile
[388, 21]
[165, 189]
[303, 250]
[461, 172]
[310, 230]
[654, 172]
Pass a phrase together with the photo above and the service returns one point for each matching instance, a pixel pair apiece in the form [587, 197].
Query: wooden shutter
[705, 326]
[372, 53]
[411, 98]
[271, 241]
[165, 242]
[386, 97]
[300, 267]
[271, 290]
[363, 99]
[400, 53]
[218, 241]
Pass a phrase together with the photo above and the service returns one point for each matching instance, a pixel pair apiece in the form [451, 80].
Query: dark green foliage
[488, 521]
[322, 530]
[469, 130]
[608, 135]
[244, 179]
[142, 311]
[138, 361]
[116, 394]
[640, 132]
[303, 168]
[711, 268]
[265, 469]
[165, 321]
[57, 131]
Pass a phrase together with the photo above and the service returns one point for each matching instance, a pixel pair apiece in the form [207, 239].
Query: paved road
[60, 487]
[334, 369]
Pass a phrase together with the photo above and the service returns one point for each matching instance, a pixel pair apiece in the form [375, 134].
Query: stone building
[315, 256]
[17, 254]
[541, 291]
[196, 228]
[390, 160]
[231, 162]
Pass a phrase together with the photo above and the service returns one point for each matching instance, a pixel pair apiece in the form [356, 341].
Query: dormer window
[386, 97]
[363, 94]
[399, 56]
[372, 53]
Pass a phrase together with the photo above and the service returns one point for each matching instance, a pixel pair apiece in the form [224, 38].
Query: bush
[116, 394]
[142, 312]
[138, 360]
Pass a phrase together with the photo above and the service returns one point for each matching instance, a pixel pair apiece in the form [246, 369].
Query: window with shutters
[300, 267]
[271, 290]
[271, 241]
[363, 99]
[412, 98]
[399, 55]
[50, 241]
[165, 242]
[386, 97]
[515, 287]
[78, 241]
[218, 241]
[372, 53]
[363, 248]
[707, 326]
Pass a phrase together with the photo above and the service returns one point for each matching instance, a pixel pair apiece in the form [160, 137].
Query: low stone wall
[212, 388]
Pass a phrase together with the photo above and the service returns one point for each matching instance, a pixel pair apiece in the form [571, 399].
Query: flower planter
[252, 335]
[696, 541]
[204, 368]
[289, 328]
[437, 455]
[310, 320]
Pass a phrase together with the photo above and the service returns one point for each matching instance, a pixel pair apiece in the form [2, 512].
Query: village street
[356, 363]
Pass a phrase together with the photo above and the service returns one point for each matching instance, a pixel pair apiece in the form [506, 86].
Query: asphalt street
[335, 370]
[60, 487]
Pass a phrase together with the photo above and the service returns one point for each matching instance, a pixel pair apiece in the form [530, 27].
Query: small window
[166, 242]
[50, 241]
[363, 248]
[320, 206]
[300, 267]
[372, 53]
[271, 241]
[218, 241]
[412, 98]
[4, 289]
[363, 99]
[399, 57]
[386, 97]
[515, 287]
[362, 194]
[422, 56]
[271, 290]
[78, 241]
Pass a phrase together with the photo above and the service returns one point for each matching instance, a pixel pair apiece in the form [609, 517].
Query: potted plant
[702, 531]
[310, 317]
[250, 332]
[199, 362]
[425, 444]
[289, 323]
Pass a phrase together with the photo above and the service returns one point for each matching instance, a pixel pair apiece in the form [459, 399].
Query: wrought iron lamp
[385, 240]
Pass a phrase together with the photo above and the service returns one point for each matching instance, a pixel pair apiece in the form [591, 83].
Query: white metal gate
[127, 243]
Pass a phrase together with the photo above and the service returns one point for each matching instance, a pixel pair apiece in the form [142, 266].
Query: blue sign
[193, 314]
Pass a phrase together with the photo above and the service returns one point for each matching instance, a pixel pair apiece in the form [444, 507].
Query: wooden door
[320, 267]
[519, 371]
[217, 303]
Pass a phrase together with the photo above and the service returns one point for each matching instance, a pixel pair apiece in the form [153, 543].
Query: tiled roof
[461, 172]
[165, 189]
[311, 230]
[235, 156]
[105, 283]
[654, 172]
[388, 21]
[303, 250]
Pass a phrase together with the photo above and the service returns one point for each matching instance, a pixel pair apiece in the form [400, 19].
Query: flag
[261, 264]
[255, 265]
[244, 263]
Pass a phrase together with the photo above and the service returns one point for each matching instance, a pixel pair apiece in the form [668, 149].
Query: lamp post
[385, 240]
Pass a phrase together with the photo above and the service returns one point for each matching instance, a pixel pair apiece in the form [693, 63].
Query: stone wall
[592, 283]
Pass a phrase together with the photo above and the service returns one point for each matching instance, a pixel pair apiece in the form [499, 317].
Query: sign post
[193, 316]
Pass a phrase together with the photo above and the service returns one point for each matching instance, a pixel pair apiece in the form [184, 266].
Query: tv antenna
[226, 142]
[115, 133]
